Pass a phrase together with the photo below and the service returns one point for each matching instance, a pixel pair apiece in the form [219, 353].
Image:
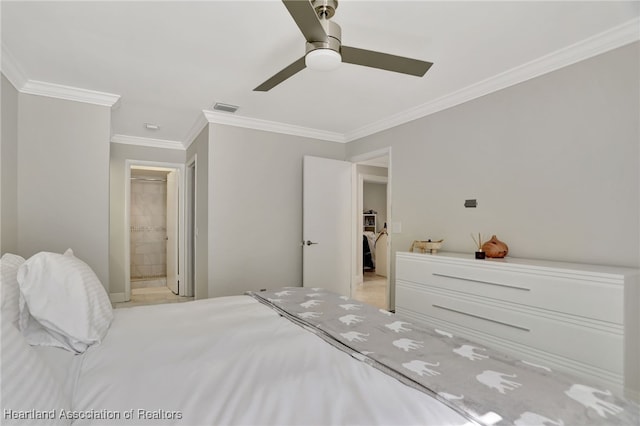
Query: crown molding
[52, 90]
[11, 70]
[194, 131]
[150, 142]
[19, 79]
[272, 126]
[613, 38]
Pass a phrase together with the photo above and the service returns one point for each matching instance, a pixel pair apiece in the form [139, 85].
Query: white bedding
[62, 363]
[234, 361]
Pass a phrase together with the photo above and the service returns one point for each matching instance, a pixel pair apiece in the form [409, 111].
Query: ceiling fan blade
[305, 16]
[281, 76]
[384, 61]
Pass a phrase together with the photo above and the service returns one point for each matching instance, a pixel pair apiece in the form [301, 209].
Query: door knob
[308, 242]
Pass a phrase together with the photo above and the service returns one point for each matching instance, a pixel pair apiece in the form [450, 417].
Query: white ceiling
[170, 60]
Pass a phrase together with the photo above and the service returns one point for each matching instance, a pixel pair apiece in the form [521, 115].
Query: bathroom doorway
[148, 228]
[154, 239]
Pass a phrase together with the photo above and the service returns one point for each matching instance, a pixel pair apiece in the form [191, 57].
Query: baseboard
[117, 297]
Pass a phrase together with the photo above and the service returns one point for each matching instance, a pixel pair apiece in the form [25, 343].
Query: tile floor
[148, 282]
[151, 296]
[372, 291]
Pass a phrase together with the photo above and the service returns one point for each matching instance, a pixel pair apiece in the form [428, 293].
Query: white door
[172, 231]
[326, 224]
[189, 276]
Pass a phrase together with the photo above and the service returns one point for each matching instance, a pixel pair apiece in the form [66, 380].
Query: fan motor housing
[333, 40]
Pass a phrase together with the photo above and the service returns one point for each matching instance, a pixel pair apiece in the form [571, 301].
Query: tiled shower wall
[148, 229]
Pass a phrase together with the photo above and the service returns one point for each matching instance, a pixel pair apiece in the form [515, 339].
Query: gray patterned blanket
[484, 385]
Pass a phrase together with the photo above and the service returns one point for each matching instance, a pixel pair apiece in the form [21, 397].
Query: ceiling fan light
[323, 59]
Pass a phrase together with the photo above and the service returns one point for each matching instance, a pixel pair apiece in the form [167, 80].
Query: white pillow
[28, 383]
[62, 302]
[10, 292]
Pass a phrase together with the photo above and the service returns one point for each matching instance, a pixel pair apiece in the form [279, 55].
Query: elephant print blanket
[486, 386]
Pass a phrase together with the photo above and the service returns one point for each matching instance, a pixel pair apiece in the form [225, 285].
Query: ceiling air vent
[225, 107]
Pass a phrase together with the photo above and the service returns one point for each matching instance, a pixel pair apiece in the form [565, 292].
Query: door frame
[356, 239]
[190, 230]
[180, 168]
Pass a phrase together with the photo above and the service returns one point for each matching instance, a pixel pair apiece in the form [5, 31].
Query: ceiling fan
[324, 50]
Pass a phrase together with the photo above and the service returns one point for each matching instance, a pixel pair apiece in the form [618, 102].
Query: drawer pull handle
[482, 318]
[482, 282]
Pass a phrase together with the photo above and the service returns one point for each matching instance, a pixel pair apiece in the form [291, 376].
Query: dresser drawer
[589, 342]
[601, 300]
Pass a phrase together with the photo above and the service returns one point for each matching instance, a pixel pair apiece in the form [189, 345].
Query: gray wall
[374, 194]
[9, 169]
[553, 163]
[63, 179]
[372, 170]
[374, 197]
[255, 207]
[200, 146]
[118, 155]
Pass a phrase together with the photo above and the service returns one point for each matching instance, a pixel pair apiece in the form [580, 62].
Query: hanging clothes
[367, 259]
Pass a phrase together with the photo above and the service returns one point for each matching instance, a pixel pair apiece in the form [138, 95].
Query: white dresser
[584, 319]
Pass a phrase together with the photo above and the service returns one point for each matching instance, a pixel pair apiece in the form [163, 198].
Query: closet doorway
[154, 237]
[373, 241]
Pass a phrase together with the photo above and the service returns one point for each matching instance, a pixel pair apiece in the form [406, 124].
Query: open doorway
[148, 228]
[371, 281]
[154, 237]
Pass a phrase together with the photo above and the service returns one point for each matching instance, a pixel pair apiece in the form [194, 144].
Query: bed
[292, 356]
